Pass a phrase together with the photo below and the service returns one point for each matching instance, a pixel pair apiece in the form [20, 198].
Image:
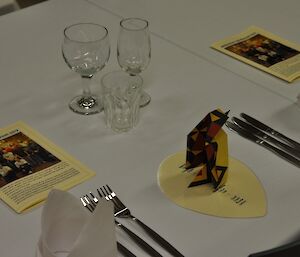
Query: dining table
[186, 79]
[195, 25]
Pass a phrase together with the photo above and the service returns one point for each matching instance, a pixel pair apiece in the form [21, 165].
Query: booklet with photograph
[264, 51]
[30, 166]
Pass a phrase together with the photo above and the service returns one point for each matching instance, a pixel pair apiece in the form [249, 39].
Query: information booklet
[264, 51]
[30, 166]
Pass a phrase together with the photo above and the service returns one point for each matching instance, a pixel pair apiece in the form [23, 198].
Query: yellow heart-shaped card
[242, 195]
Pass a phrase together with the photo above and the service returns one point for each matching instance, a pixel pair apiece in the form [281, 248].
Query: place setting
[204, 178]
[167, 148]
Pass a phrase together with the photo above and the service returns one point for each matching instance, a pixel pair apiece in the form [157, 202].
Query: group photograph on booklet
[263, 50]
[21, 156]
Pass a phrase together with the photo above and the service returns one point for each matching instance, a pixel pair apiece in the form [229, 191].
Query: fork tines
[121, 211]
[109, 194]
[88, 203]
[106, 192]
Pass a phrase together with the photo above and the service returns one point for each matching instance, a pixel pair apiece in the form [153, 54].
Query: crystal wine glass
[134, 49]
[86, 50]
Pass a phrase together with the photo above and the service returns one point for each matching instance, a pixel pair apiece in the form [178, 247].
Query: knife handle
[281, 153]
[139, 241]
[124, 251]
[254, 130]
[161, 241]
[286, 139]
[284, 146]
[270, 130]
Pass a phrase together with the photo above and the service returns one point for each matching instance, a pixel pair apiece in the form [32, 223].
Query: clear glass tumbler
[121, 99]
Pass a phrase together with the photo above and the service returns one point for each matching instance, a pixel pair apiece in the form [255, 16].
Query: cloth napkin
[68, 229]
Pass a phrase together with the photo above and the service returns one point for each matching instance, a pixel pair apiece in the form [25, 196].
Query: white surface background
[186, 80]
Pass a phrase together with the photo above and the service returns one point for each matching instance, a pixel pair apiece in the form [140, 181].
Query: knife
[122, 249]
[271, 131]
[244, 133]
[266, 137]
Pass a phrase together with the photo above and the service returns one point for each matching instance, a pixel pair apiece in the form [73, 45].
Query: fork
[121, 248]
[122, 211]
[91, 204]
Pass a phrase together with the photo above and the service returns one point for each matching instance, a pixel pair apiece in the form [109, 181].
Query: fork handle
[124, 251]
[160, 240]
[144, 245]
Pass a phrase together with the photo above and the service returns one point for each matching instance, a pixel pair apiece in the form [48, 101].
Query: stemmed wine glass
[86, 50]
[134, 49]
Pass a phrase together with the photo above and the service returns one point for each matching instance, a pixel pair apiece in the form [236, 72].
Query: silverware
[91, 205]
[266, 137]
[121, 248]
[246, 134]
[124, 251]
[123, 212]
[271, 131]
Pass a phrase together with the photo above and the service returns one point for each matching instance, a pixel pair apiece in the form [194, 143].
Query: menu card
[264, 51]
[31, 165]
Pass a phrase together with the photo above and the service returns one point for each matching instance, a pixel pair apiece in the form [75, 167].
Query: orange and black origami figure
[207, 148]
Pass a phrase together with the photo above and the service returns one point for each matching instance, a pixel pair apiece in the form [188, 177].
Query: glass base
[85, 106]
[145, 99]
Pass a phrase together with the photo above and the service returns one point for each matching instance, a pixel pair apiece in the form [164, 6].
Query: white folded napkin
[69, 230]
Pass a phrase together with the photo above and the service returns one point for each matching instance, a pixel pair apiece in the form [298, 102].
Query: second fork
[91, 205]
[123, 212]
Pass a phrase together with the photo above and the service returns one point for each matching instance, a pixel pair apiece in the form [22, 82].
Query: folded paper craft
[228, 187]
[207, 149]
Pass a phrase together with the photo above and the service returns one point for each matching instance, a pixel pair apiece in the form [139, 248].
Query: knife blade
[244, 133]
[271, 131]
[266, 137]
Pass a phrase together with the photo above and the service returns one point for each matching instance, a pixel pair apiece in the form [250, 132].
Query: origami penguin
[207, 147]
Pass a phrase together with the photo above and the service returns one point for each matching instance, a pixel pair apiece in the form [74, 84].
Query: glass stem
[86, 82]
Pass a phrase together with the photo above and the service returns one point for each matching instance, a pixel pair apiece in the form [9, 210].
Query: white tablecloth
[37, 85]
[194, 25]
